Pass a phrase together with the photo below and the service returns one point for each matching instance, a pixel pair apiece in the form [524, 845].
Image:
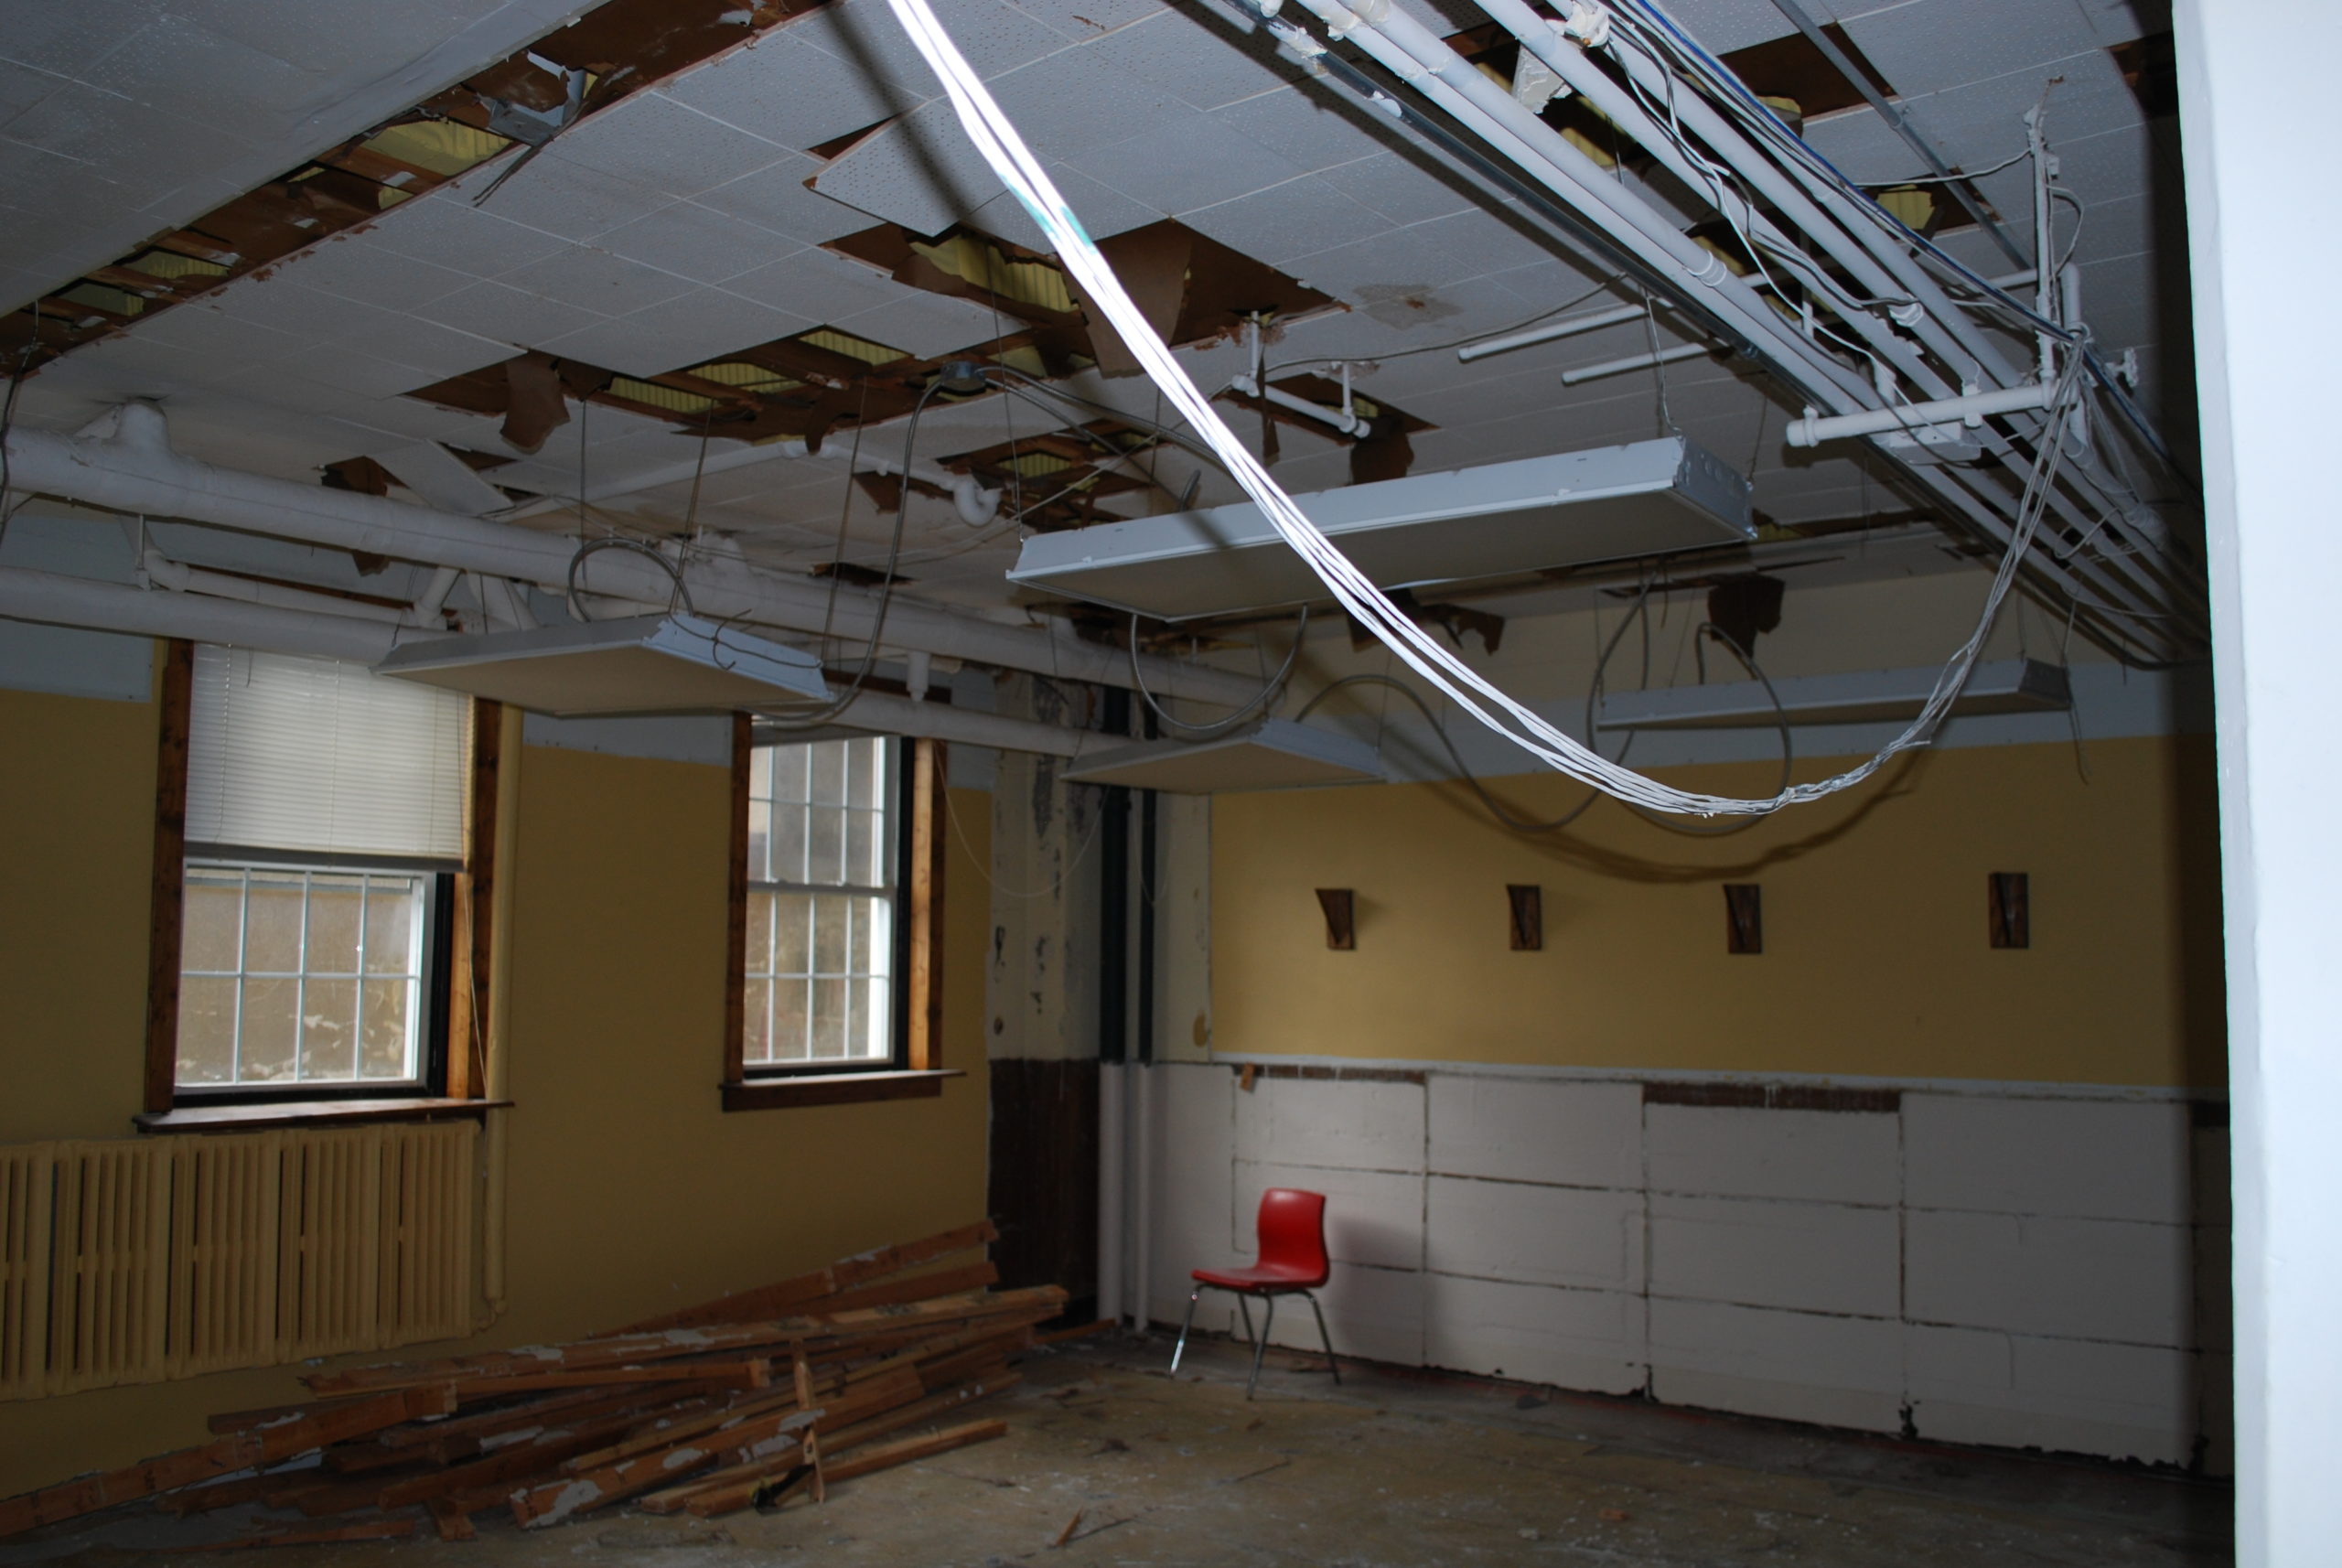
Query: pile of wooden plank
[738, 1402]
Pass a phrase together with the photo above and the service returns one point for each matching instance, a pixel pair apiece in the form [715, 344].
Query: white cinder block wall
[2027, 1265]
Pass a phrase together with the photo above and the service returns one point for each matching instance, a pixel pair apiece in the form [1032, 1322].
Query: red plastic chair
[1291, 1231]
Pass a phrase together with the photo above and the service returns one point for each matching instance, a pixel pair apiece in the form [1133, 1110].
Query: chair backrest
[1292, 1231]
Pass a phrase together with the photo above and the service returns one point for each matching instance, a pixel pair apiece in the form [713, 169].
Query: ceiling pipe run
[124, 463]
[51, 598]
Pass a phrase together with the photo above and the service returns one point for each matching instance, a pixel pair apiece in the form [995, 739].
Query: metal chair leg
[1261, 1345]
[1181, 1348]
[1323, 1338]
[1248, 1318]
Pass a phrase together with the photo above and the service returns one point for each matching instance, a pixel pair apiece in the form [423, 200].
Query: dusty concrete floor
[1131, 1466]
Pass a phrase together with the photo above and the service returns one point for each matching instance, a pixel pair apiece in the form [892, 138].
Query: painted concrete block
[1371, 1217]
[1570, 1134]
[1193, 1199]
[1840, 1371]
[2089, 1158]
[1534, 1235]
[2081, 1279]
[1815, 1257]
[2124, 1402]
[1737, 1152]
[1571, 1339]
[1371, 1125]
[1376, 1314]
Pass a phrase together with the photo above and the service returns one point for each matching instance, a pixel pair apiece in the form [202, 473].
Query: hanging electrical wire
[998, 141]
[1221, 725]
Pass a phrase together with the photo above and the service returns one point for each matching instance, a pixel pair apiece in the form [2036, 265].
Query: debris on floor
[740, 1402]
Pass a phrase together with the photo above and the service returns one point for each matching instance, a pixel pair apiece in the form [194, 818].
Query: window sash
[789, 779]
[326, 998]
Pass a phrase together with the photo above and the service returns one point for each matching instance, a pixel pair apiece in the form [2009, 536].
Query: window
[821, 965]
[314, 907]
[837, 898]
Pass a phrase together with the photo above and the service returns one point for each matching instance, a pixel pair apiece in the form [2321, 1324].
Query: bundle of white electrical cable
[1006, 150]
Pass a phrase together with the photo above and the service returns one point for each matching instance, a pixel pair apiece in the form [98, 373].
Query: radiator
[134, 1260]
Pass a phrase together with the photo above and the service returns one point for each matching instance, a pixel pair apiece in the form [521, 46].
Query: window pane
[861, 773]
[211, 924]
[861, 847]
[857, 945]
[272, 924]
[335, 904]
[788, 773]
[827, 762]
[266, 1033]
[207, 1030]
[330, 1025]
[760, 773]
[788, 843]
[760, 914]
[393, 923]
[794, 946]
[387, 1041]
[829, 917]
[759, 841]
[757, 1046]
[788, 1020]
[829, 1020]
[826, 846]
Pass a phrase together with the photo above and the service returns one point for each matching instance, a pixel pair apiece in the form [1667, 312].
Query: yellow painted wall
[629, 1189]
[1876, 959]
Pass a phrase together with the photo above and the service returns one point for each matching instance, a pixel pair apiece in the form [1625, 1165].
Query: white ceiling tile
[862, 35]
[1093, 18]
[269, 299]
[662, 145]
[1863, 146]
[696, 242]
[200, 327]
[790, 93]
[1720, 27]
[1299, 218]
[1195, 161]
[2121, 21]
[501, 313]
[1480, 242]
[1306, 128]
[447, 230]
[927, 324]
[355, 268]
[819, 286]
[591, 278]
[1104, 213]
[558, 197]
[71, 39]
[920, 172]
[689, 330]
[776, 198]
[343, 367]
[1193, 55]
[1929, 45]
[435, 351]
[177, 67]
[2106, 167]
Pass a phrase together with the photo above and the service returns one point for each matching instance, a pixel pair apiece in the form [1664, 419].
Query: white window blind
[307, 754]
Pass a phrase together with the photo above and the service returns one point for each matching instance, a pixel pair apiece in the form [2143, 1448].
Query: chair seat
[1260, 1279]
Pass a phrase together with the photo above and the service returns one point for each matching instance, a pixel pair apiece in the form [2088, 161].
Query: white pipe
[434, 597]
[52, 599]
[1634, 362]
[180, 578]
[1347, 424]
[791, 450]
[1570, 328]
[132, 469]
[1813, 429]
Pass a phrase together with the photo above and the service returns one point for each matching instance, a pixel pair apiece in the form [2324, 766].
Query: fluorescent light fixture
[1503, 519]
[1871, 696]
[1274, 754]
[642, 664]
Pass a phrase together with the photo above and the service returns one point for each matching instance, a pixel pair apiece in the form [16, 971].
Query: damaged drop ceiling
[728, 272]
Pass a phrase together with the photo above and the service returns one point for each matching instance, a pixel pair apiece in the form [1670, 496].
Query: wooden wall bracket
[1528, 907]
[1743, 915]
[2011, 908]
[1341, 925]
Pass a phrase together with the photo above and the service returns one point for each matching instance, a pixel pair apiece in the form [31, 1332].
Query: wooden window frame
[469, 942]
[919, 905]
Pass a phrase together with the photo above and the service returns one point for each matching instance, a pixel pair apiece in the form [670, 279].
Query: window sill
[249, 1118]
[835, 1088]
